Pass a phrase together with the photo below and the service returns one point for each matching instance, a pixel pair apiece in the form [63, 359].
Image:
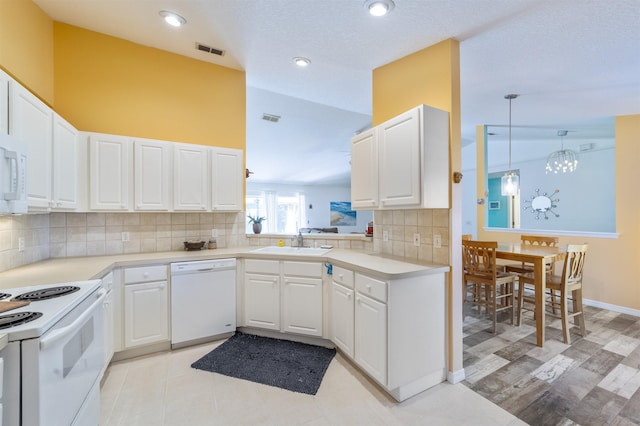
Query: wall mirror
[587, 193]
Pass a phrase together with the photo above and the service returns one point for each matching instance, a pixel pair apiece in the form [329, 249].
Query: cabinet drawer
[371, 287]
[303, 269]
[145, 274]
[262, 266]
[343, 276]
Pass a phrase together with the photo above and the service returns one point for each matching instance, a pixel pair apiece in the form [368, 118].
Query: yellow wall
[106, 84]
[431, 76]
[610, 274]
[26, 46]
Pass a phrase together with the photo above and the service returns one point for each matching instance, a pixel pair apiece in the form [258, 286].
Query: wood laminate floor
[594, 381]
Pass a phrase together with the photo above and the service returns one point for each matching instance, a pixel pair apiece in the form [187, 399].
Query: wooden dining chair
[534, 240]
[569, 283]
[494, 288]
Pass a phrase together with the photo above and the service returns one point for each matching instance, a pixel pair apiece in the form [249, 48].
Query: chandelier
[564, 160]
[510, 182]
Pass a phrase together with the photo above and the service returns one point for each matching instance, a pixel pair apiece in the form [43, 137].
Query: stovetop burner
[4, 295]
[46, 293]
[18, 318]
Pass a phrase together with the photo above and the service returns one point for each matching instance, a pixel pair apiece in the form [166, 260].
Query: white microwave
[13, 175]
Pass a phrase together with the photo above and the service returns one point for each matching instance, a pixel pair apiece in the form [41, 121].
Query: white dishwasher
[203, 300]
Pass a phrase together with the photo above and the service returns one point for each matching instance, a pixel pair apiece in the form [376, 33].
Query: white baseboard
[454, 377]
[610, 307]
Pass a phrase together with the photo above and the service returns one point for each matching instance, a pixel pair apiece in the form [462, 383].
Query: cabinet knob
[369, 287]
[340, 276]
[146, 274]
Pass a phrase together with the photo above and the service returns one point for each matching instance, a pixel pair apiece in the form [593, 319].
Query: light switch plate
[437, 241]
[21, 244]
[385, 235]
[214, 233]
[125, 236]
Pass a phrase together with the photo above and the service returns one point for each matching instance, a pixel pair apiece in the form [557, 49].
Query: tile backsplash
[57, 235]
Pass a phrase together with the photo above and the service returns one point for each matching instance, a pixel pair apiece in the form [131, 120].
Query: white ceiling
[572, 61]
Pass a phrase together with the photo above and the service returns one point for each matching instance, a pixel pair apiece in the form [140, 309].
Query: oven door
[60, 368]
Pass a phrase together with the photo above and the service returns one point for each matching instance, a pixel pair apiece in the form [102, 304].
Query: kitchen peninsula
[392, 312]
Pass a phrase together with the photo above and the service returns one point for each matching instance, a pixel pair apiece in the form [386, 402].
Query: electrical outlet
[214, 233]
[416, 240]
[385, 235]
[437, 241]
[21, 244]
[125, 236]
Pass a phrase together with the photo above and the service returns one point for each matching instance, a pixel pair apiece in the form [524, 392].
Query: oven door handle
[53, 337]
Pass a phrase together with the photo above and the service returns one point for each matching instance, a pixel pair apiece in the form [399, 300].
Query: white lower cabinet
[302, 305]
[146, 305]
[262, 301]
[371, 326]
[283, 296]
[371, 337]
[341, 328]
[393, 329]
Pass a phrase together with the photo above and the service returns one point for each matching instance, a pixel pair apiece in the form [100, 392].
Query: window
[284, 212]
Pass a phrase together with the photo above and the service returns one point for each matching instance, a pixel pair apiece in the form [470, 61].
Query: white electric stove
[54, 357]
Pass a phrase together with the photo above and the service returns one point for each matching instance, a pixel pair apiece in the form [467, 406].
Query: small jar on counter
[212, 244]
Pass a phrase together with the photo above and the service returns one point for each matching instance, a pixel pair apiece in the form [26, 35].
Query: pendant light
[510, 183]
[564, 160]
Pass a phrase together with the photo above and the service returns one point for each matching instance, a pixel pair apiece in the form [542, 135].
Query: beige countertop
[70, 269]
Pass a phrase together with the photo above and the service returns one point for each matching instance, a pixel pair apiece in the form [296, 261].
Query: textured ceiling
[572, 61]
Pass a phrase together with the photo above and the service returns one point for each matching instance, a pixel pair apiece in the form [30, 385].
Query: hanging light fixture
[510, 183]
[564, 160]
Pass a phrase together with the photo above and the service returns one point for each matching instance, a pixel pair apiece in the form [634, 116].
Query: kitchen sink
[300, 251]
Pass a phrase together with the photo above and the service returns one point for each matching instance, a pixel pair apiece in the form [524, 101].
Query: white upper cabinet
[110, 172]
[152, 171]
[31, 121]
[398, 160]
[227, 179]
[4, 102]
[65, 165]
[191, 174]
[403, 162]
[364, 170]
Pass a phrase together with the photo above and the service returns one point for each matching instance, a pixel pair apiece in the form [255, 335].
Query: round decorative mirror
[541, 204]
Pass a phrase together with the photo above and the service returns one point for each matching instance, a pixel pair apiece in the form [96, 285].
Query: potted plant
[257, 223]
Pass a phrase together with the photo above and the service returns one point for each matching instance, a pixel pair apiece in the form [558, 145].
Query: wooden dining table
[538, 257]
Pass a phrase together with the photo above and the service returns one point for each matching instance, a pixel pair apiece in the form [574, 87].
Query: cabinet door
[364, 170]
[31, 121]
[227, 179]
[109, 172]
[146, 312]
[342, 318]
[399, 160]
[152, 164]
[65, 165]
[190, 177]
[262, 301]
[302, 306]
[4, 102]
[371, 337]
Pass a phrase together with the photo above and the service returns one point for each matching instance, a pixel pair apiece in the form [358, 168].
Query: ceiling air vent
[208, 49]
[271, 118]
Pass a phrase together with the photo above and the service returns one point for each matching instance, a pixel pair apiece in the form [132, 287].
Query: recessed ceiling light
[301, 61]
[173, 19]
[379, 7]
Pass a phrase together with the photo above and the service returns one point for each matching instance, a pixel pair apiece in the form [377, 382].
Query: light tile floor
[162, 389]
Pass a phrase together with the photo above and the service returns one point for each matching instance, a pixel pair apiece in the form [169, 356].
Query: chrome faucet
[300, 239]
